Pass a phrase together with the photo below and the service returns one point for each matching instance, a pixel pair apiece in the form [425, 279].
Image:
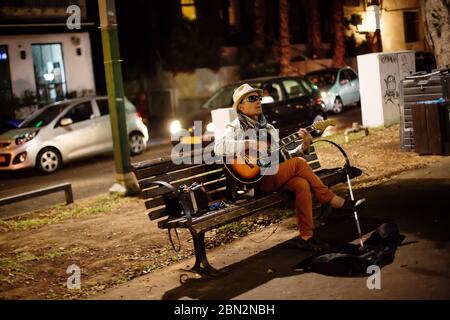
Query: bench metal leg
[202, 265]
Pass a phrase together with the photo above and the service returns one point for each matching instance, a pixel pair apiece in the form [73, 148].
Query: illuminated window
[49, 71]
[188, 9]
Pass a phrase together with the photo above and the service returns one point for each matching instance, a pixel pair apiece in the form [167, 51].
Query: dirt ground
[112, 240]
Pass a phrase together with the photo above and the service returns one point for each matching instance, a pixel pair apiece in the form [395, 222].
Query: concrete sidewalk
[418, 201]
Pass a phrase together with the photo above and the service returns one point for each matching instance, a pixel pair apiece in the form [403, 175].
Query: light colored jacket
[233, 140]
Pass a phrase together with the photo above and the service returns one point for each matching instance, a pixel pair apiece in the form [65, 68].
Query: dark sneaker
[349, 206]
[312, 244]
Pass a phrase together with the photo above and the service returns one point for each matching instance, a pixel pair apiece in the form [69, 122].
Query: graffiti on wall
[388, 58]
[391, 92]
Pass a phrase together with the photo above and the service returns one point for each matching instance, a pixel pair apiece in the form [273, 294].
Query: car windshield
[323, 78]
[224, 97]
[44, 116]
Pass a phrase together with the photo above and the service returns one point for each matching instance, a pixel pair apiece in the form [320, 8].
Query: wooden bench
[218, 188]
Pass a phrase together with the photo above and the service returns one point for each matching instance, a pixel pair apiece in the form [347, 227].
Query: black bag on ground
[349, 260]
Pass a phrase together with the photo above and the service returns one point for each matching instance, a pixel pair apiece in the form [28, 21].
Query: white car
[65, 131]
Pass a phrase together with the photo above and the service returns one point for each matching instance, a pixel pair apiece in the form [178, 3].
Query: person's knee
[300, 160]
[300, 163]
[302, 185]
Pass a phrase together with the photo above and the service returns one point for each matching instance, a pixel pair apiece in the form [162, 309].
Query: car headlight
[210, 127]
[323, 94]
[25, 137]
[175, 126]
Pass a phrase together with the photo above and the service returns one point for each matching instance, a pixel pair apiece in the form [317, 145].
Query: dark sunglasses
[254, 98]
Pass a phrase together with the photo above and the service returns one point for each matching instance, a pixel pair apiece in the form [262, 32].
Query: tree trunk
[285, 55]
[436, 18]
[339, 35]
[314, 35]
[259, 23]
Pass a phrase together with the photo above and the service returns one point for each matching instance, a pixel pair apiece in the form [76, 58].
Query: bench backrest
[163, 169]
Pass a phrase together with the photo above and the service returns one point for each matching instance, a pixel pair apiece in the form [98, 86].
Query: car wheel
[338, 106]
[48, 160]
[137, 143]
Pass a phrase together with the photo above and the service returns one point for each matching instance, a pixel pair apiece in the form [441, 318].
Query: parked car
[65, 131]
[339, 87]
[294, 102]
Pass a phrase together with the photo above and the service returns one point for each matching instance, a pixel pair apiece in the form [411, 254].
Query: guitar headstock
[323, 124]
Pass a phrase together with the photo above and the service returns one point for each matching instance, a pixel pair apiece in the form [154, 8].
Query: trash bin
[414, 89]
[431, 125]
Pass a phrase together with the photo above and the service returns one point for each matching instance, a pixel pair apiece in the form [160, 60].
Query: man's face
[251, 105]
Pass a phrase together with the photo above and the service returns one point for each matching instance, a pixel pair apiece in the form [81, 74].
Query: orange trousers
[297, 176]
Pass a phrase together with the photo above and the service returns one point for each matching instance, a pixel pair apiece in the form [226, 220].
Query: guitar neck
[294, 137]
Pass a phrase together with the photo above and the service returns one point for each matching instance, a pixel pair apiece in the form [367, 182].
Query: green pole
[125, 184]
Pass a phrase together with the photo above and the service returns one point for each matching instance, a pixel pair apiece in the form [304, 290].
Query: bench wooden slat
[154, 202]
[157, 214]
[160, 212]
[159, 169]
[158, 200]
[314, 165]
[217, 194]
[165, 164]
[177, 175]
[311, 157]
[200, 179]
[226, 215]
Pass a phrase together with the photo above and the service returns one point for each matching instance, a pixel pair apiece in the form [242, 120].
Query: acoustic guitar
[249, 166]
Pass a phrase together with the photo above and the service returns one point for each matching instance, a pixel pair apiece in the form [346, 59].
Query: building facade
[42, 58]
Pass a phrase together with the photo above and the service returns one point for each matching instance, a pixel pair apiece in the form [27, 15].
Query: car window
[351, 74]
[293, 88]
[80, 112]
[103, 106]
[323, 78]
[44, 116]
[104, 109]
[343, 76]
[272, 90]
[307, 85]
